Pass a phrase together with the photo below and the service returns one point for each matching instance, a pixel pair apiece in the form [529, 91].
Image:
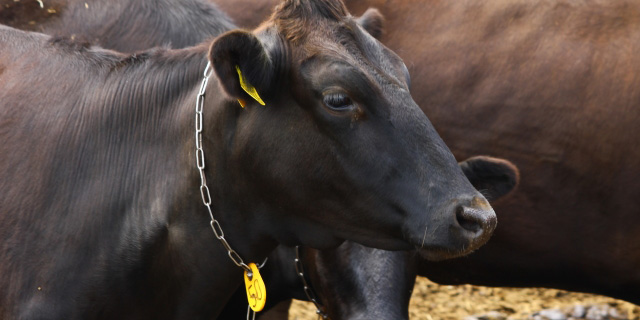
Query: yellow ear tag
[249, 89]
[256, 290]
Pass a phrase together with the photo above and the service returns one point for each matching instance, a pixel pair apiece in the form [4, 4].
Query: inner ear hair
[239, 49]
[373, 22]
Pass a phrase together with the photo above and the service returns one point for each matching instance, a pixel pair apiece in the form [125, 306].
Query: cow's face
[341, 150]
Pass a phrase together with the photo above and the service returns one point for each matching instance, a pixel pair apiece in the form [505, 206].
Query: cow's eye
[338, 101]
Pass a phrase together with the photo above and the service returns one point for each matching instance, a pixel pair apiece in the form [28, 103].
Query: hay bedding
[434, 302]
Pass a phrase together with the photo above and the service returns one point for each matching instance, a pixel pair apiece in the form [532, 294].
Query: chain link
[251, 315]
[307, 290]
[204, 190]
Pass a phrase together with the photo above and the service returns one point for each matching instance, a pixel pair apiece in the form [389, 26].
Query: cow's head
[340, 150]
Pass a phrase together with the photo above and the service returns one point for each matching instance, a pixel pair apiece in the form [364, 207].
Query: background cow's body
[552, 86]
[123, 25]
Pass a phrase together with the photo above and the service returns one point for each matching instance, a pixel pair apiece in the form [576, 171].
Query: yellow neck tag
[256, 290]
[249, 89]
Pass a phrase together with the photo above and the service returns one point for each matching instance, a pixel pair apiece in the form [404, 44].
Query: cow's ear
[372, 21]
[242, 65]
[493, 177]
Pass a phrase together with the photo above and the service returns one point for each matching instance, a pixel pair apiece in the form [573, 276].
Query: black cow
[102, 213]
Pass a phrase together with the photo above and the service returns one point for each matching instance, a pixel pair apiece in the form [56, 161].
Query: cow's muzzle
[476, 221]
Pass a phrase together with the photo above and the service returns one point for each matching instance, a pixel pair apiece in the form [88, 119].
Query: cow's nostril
[473, 220]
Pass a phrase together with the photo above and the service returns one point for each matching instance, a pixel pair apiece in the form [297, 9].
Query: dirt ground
[434, 302]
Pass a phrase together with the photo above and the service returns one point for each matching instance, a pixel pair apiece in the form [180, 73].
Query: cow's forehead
[297, 19]
[313, 28]
[348, 43]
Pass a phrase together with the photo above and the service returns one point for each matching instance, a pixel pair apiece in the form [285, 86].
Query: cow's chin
[375, 240]
[383, 244]
[388, 244]
[436, 252]
[315, 241]
[441, 253]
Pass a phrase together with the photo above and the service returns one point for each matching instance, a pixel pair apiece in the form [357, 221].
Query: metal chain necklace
[307, 290]
[256, 290]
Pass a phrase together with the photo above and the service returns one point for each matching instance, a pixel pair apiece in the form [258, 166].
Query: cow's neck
[239, 215]
[183, 232]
